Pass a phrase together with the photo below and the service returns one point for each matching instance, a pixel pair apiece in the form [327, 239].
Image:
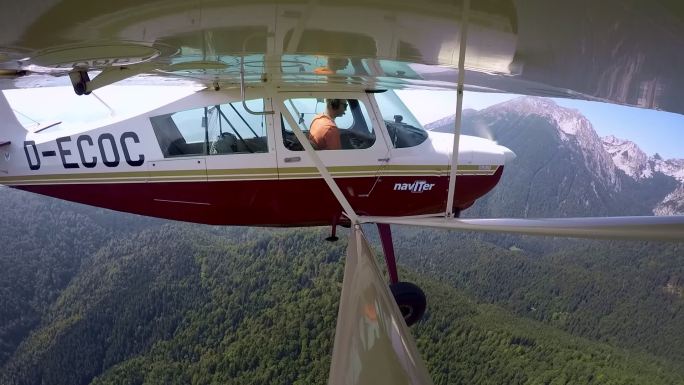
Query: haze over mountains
[564, 168]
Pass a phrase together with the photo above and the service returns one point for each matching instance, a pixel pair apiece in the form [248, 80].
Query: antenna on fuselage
[111, 110]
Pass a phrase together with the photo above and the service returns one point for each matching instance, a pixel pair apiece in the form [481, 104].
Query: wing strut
[665, 228]
[459, 108]
[348, 210]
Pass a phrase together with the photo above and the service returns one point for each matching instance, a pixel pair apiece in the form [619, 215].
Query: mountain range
[631, 160]
[90, 296]
[565, 169]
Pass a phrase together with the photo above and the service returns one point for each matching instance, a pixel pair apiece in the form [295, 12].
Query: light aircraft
[237, 152]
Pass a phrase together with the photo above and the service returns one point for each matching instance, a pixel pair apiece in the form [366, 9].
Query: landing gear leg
[333, 230]
[388, 249]
[409, 297]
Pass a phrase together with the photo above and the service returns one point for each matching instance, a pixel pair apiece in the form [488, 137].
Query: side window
[233, 130]
[213, 130]
[181, 133]
[330, 124]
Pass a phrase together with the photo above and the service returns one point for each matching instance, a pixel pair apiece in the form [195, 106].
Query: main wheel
[411, 301]
[80, 80]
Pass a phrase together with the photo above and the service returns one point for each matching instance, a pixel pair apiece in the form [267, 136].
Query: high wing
[626, 52]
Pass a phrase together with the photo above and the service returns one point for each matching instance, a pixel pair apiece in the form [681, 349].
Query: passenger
[323, 133]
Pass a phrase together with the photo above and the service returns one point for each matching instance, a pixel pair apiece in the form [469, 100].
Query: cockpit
[230, 128]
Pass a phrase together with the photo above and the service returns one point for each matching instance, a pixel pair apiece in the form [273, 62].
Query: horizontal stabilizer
[665, 228]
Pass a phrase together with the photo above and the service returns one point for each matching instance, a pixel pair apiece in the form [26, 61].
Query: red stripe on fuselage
[288, 202]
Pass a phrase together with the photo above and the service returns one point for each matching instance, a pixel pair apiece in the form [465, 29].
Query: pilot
[323, 133]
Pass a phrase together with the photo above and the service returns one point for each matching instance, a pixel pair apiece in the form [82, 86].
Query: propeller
[483, 131]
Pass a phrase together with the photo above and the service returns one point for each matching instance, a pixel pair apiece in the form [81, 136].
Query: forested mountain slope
[44, 244]
[627, 293]
[162, 302]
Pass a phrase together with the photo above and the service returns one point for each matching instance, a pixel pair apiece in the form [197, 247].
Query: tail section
[12, 136]
[9, 125]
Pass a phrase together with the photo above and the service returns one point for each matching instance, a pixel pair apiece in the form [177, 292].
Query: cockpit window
[330, 124]
[213, 130]
[403, 128]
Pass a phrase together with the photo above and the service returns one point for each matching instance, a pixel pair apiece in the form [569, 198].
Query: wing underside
[615, 51]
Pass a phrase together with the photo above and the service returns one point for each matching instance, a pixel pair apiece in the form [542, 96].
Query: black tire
[80, 88]
[411, 301]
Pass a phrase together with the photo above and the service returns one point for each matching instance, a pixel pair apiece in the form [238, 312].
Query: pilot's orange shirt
[324, 134]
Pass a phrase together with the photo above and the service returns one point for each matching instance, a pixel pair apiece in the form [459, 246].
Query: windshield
[403, 128]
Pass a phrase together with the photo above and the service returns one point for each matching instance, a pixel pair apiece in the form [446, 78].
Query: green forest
[96, 297]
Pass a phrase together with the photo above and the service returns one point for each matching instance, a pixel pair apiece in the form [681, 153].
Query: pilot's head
[336, 107]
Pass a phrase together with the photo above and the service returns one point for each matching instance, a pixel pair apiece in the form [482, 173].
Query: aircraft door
[348, 143]
[177, 181]
[218, 163]
[241, 164]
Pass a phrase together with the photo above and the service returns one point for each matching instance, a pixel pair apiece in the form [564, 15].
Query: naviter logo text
[416, 187]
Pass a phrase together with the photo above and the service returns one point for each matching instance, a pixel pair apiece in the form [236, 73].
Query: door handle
[292, 159]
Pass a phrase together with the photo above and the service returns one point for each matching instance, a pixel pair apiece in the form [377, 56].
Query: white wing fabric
[373, 345]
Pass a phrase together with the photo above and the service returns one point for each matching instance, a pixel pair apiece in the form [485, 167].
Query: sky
[52, 104]
[653, 131]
